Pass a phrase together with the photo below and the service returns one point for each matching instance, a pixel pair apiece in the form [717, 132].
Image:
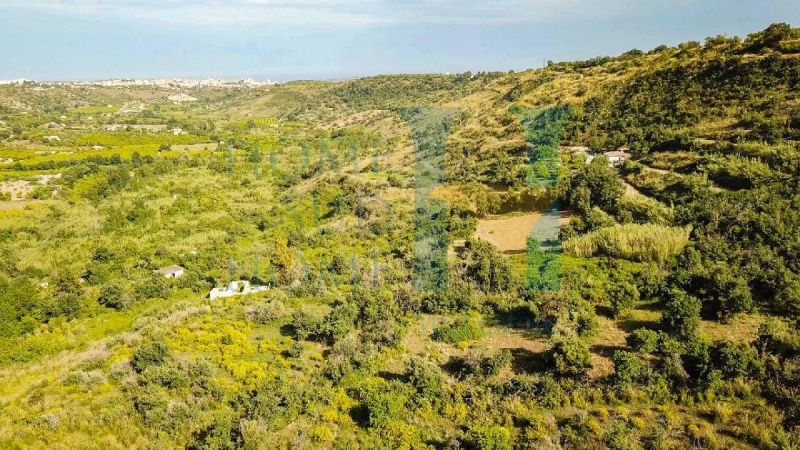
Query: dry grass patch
[509, 234]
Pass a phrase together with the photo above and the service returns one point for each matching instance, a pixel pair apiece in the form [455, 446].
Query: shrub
[682, 315]
[113, 296]
[305, 325]
[491, 437]
[269, 312]
[459, 330]
[643, 340]
[571, 357]
[629, 367]
[149, 354]
[623, 298]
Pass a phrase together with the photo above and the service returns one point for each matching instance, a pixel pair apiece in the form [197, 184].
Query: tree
[426, 377]
[305, 325]
[769, 38]
[682, 315]
[728, 294]
[603, 185]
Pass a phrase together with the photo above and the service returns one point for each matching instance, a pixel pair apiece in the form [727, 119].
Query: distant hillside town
[183, 83]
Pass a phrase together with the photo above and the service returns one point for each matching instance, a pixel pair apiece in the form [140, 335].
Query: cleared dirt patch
[510, 235]
[18, 190]
[195, 147]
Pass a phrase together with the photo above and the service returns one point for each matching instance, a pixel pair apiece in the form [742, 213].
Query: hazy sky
[322, 39]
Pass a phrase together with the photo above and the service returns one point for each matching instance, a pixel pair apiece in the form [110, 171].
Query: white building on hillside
[171, 271]
[236, 288]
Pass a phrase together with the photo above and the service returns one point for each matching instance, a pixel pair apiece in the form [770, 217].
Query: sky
[287, 40]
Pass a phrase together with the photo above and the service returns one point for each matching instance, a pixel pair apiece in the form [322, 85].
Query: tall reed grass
[634, 242]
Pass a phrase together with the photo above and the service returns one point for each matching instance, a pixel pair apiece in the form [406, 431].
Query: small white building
[236, 288]
[171, 271]
[617, 157]
[52, 138]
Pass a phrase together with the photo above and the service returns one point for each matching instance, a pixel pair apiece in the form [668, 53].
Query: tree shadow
[287, 330]
[651, 306]
[604, 311]
[526, 361]
[392, 376]
[458, 367]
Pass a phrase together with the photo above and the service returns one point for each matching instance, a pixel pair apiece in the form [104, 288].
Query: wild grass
[633, 242]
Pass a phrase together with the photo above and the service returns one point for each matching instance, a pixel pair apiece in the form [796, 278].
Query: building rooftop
[170, 269]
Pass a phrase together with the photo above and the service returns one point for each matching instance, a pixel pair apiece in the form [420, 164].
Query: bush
[113, 296]
[571, 357]
[682, 315]
[149, 354]
[269, 312]
[305, 325]
[629, 367]
[491, 437]
[643, 340]
[460, 330]
[339, 322]
[623, 298]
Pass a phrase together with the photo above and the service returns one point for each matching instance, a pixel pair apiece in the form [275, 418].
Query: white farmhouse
[236, 288]
[171, 271]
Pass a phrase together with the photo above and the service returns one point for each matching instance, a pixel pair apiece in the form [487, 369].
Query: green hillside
[446, 267]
